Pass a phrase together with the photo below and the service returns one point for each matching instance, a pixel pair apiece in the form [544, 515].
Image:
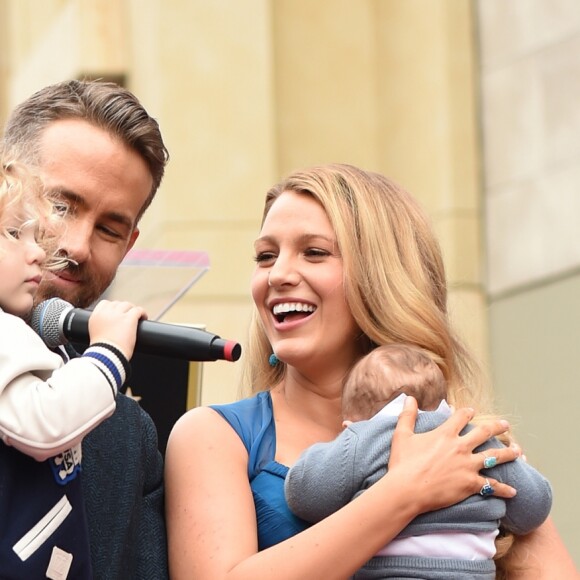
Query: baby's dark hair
[386, 372]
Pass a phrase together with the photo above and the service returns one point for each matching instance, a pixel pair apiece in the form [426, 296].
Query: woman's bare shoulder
[199, 423]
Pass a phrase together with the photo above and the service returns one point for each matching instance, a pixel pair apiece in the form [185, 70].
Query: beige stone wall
[530, 94]
[247, 91]
[4, 63]
[530, 66]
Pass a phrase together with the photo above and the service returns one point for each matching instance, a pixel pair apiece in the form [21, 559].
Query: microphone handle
[160, 339]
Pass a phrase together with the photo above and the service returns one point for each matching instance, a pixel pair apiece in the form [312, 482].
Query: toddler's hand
[115, 323]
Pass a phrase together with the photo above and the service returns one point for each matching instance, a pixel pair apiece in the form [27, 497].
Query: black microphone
[58, 322]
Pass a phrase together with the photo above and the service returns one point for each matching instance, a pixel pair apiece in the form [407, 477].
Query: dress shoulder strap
[253, 420]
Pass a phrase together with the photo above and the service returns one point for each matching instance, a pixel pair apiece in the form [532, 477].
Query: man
[98, 151]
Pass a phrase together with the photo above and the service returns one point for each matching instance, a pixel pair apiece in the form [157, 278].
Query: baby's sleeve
[321, 481]
[532, 504]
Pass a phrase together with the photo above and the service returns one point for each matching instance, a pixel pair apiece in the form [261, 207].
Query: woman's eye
[264, 257]
[316, 253]
[13, 233]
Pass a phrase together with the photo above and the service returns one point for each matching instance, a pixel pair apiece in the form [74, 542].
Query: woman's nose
[283, 272]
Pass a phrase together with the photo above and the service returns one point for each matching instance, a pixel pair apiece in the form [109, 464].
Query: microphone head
[45, 320]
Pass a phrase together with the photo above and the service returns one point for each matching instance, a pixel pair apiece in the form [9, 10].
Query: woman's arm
[541, 555]
[211, 518]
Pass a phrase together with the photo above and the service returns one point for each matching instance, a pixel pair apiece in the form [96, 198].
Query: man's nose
[76, 240]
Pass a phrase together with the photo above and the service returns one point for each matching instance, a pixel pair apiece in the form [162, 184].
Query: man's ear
[134, 235]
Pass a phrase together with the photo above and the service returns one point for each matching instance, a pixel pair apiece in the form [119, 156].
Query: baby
[455, 542]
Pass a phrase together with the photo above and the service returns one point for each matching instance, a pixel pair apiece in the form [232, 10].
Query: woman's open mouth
[292, 311]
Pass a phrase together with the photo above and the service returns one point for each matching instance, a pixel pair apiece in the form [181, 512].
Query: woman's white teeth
[292, 307]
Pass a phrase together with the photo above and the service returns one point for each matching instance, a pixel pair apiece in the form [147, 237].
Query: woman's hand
[440, 464]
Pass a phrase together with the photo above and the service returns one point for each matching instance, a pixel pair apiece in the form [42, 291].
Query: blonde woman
[345, 260]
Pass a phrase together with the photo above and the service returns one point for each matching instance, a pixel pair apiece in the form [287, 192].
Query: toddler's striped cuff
[111, 362]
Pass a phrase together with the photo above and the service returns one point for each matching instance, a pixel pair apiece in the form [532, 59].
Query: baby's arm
[328, 475]
[47, 406]
[532, 504]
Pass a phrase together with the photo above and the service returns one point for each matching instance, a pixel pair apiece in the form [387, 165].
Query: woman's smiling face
[298, 284]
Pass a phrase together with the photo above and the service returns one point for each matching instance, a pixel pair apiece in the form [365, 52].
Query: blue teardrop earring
[273, 360]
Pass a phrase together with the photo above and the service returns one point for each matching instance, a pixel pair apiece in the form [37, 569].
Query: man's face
[105, 185]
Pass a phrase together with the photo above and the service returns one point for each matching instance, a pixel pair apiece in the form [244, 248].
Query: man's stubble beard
[83, 297]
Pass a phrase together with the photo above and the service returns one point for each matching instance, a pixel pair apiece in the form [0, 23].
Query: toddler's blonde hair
[21, 189]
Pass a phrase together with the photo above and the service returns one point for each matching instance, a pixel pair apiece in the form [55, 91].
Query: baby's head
[386, 372]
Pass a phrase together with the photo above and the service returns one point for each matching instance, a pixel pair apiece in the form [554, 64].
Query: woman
[346, 260]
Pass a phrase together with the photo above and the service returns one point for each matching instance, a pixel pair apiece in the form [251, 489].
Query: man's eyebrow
[75, 199]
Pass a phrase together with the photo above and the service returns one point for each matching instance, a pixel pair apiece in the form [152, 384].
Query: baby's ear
[346, 424]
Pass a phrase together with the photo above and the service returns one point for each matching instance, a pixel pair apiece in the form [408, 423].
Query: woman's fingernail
[505, 424]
